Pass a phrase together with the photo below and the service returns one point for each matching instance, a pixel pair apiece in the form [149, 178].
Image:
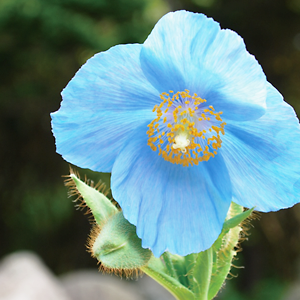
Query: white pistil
[181, 142]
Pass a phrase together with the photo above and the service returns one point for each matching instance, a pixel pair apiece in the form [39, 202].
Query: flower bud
[117, 246]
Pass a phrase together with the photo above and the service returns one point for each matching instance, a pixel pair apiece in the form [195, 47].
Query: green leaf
[207, 270]
[180, 268]
[190, 261]
[224, 248]
[101, 206]
[202, 274]
[158, 272]
[169, 265]
[236, 220]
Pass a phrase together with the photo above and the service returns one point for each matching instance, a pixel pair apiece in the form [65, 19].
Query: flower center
[185, 131]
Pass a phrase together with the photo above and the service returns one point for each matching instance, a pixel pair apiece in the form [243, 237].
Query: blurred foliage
[268, 288]
[42, 45]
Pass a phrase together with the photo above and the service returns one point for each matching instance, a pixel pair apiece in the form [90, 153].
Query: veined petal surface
[107, 122]
[107, 98]
[175, 208]
[263, 157]
[190, 51]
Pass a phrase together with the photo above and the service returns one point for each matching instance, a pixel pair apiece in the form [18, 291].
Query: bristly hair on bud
[225, 249]
[123, 273]
[117, 247]
[80, 203]
[113, 240]
[244, 233]
[243, 236]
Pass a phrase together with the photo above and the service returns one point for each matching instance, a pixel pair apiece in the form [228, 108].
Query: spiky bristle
[80, 204]
[121, 272]
[245, 228]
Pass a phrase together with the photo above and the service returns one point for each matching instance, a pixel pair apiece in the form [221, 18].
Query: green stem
[202, 274]
[190, 261]
[169, 264]
[156, 270]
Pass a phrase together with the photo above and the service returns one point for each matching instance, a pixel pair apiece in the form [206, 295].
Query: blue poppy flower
[186, 123]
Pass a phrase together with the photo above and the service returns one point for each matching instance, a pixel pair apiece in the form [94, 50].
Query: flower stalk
[202, 274]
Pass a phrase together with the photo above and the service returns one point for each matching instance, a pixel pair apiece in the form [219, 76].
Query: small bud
[117, 246]
[113, 240]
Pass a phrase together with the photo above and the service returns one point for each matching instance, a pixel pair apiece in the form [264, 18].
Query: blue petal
[190, 51]
[263, 157]
[107, 99]
[175, 208]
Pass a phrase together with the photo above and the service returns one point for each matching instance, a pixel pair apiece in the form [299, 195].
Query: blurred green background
[42, 45]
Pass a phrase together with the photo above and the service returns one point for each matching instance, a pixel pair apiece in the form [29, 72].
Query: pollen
[186, 129]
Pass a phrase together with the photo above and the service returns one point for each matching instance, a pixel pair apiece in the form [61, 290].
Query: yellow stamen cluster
[185, 131]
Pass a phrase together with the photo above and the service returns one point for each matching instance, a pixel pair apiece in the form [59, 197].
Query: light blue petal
[239, 83]
[189, 51]
[175, 208]
[107, 99]
[263, 157]
[94, 141]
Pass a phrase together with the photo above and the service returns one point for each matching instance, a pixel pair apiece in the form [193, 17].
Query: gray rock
[153, 290]
[23, 276]
[293, 292]
[92, 285]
